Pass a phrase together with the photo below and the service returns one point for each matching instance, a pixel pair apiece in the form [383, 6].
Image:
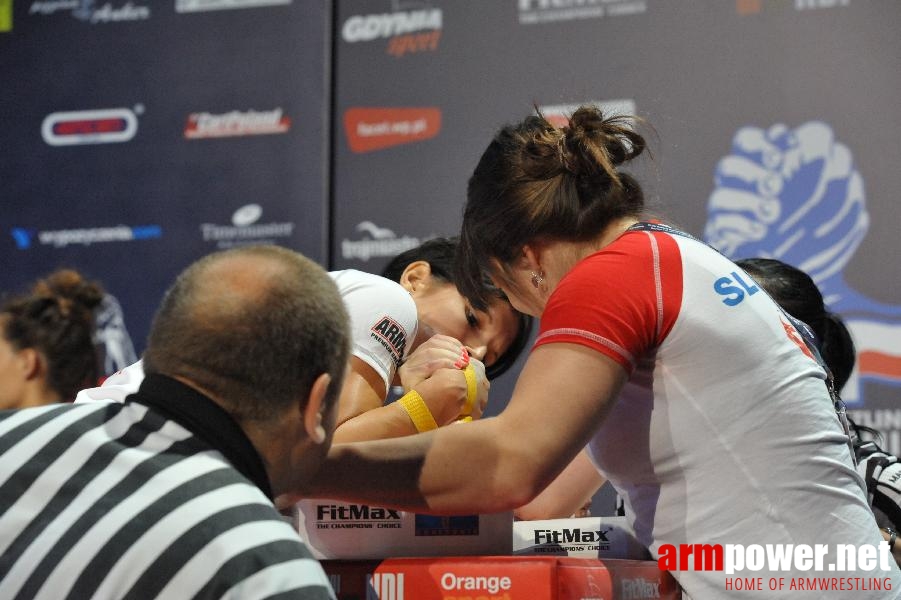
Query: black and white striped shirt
[160, 497]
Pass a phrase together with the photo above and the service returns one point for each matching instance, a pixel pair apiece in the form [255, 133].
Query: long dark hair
[797, 293]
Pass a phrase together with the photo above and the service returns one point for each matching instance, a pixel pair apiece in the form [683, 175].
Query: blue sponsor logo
[23, 237]
[428, 525]
[26, 237]
[147, 232]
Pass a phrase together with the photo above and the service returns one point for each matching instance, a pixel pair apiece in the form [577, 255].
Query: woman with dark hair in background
[47, 350]
[799, 296]
[795, 291]
[691, 394]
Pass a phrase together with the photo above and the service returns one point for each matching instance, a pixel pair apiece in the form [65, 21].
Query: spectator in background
[797, 294]
[169, 493]
[47, 351]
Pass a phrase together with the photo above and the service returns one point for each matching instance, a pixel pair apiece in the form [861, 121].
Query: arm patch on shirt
[392, 336]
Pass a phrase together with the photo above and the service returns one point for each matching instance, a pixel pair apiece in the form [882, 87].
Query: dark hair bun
[591, 146]
[70, 290]
[593, 141]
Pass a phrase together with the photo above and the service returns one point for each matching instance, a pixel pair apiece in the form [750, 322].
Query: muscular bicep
[363, 390]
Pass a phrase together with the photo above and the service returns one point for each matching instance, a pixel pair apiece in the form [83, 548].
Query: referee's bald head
[253, 327]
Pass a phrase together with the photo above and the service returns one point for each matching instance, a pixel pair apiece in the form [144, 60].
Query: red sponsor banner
[873, 363]
[591, 578]
[500, 578]
[236, 123]
[495, 577]
[89, 127]
[371, 129]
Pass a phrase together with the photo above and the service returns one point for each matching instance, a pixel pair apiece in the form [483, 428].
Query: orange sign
[371, 129]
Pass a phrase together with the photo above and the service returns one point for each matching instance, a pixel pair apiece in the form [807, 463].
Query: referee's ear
[315, 408]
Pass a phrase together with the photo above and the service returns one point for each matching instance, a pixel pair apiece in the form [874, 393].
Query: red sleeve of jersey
[621, 301]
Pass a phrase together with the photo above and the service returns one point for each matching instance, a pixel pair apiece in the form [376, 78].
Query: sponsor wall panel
[415, 190]
[816, 79]
[154, 133]
[822, 193]
[420, 88]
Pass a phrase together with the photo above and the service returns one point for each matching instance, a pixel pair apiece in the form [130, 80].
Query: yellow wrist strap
[419, 412]
[471, 389]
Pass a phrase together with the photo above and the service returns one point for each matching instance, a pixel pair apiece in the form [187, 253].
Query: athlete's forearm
[452, 470]
[385, 422]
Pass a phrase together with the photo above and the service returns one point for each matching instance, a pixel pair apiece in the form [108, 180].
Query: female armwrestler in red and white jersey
[688, 388]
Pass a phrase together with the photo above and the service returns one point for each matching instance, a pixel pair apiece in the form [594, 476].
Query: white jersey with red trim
[725, 432]
[383, 326]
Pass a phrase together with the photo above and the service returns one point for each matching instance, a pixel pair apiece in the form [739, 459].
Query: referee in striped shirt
[169, 495]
